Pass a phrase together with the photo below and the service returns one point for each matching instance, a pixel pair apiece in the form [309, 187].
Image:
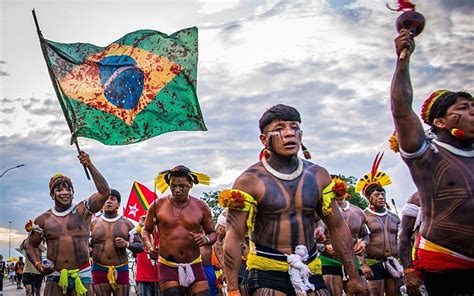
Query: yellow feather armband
[239, 200]
[328, 194]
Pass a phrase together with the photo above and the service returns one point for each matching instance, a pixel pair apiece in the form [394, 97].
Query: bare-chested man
[66, 227]
[441, 164]
[277, 199]
[381, 266]
[110, 238]
[334, 273]
[180, 218]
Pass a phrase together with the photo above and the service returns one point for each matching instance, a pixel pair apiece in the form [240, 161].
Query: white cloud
[215, 6]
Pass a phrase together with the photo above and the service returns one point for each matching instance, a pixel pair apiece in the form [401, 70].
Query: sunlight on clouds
[16, 237]
[215, 6]
[227, 178]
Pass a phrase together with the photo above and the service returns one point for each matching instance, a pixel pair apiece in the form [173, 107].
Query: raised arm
[409, 129]
[98, 199]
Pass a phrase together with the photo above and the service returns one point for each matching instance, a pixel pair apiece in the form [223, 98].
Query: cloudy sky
[331, 59]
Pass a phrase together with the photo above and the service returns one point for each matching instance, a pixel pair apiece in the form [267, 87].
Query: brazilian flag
[138, 87]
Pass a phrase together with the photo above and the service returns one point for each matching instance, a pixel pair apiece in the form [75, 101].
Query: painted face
[180, 187]
[111, 205]
[283, 137]
[377, 198]
[63, 196]
[461, 115]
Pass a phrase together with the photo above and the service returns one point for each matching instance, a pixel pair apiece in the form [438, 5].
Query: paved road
[10, 289]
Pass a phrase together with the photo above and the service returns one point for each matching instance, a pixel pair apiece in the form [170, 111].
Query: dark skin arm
[412, 282]
[34, 242]
[363, 240]
[209, 238]
[98, 199]
[407, 225]
[340, 237]
[410, 133]
[147, 233]
[235, 231]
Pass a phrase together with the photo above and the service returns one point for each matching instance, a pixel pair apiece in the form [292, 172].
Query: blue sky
[333, 60]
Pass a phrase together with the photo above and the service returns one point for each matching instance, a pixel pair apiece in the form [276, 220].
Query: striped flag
[138, 202]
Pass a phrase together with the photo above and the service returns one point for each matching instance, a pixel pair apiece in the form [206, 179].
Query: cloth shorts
[380, 271]
[99, 275]
[337, 270]
[170, 274]
[278, 280]
[32, 279]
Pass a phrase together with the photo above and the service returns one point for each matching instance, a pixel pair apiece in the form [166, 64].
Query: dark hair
[181, 171]
[372, 188]
[441, 105]
[279, 111]
[60, 182]
[116, 194]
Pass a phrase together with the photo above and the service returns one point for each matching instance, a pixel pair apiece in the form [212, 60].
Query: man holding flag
[66, 228]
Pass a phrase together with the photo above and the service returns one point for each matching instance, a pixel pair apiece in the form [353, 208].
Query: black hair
[372, 188]
[60, 182]
[116, 194]
[279, 111]
[181, 171]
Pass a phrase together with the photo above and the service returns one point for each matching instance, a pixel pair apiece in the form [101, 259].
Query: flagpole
[55, 86]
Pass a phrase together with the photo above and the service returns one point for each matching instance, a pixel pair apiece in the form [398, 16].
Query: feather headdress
[162, 181]
[375, 177]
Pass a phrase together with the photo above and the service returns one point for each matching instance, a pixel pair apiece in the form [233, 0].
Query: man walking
[66, 228]
[110, 239]
[185, 224]
[441, 163]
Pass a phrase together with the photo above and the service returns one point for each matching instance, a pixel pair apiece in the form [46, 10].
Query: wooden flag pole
[55, 86]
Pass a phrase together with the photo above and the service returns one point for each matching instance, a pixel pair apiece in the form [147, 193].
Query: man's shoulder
[42, 217]
[393, 215]
[356, 209]
[252, 170]
[198, 202]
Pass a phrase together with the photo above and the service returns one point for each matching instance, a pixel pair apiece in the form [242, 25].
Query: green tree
[356, 198]
[211, 199]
